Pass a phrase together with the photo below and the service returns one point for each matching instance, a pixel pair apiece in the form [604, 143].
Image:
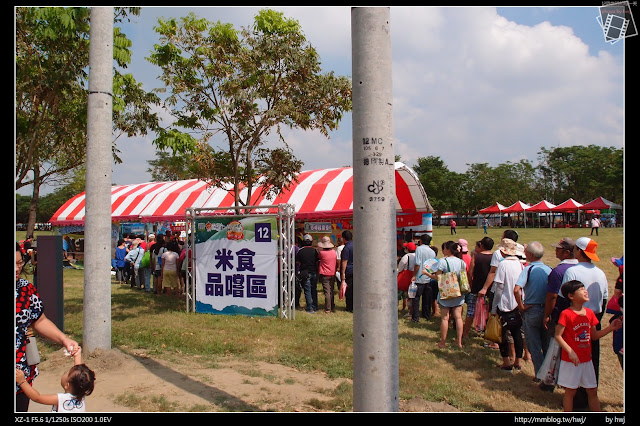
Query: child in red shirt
[574, 332]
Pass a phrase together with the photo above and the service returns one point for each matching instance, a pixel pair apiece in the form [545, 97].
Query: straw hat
[508, 247]
[325, 242]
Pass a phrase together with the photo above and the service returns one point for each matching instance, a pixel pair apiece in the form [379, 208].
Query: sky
[470, 84]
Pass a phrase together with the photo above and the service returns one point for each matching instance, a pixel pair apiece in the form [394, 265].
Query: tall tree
[583, 172]
[231, 89]
[514, 182]
[442, 185]
[52, 57]
[172, 166]
[479, 186]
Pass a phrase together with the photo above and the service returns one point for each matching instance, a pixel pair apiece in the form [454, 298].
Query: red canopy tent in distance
[497, 208]
[600, 204]
[325, 194]
[544, 206]
[570, 205]
[518, 207]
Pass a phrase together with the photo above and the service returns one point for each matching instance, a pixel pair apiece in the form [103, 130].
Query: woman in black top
[478, 271]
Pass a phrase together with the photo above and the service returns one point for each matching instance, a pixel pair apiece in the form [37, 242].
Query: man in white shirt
[593, 278]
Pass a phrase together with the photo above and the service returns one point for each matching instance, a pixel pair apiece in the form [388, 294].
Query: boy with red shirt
[574, 332]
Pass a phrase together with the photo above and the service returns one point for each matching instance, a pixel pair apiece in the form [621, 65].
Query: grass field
[466, 378]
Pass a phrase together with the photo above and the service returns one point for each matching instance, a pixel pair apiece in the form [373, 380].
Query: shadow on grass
[473, 356]
[136, 302]
[215, 396]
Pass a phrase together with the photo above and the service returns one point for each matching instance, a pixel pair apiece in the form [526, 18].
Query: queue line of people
[536, 304]
[327, 264]
[157, 266]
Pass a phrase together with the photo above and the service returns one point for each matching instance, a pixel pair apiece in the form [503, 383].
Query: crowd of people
[155, 265]
[540, 306]
[164, 260]
[325, 264]
[536, 303]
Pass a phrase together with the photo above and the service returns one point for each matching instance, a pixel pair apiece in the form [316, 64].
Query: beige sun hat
[325, 242]
[508, 247]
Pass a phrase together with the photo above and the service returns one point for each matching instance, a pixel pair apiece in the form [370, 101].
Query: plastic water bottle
[31, 352]
[413, 288]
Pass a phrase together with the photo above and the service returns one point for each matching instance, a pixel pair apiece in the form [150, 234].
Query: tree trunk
[33, 206]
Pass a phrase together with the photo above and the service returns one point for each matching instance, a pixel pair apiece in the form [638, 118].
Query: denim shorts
[470, 299]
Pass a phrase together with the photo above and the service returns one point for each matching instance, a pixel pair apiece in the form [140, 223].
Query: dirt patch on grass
[136, 382]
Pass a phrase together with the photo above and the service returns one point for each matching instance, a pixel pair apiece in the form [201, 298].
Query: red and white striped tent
[325, 193]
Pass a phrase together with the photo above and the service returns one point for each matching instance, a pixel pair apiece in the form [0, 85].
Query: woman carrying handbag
[451, 263]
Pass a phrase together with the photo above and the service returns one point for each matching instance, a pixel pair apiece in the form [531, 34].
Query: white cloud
[495, 91]
[468, 85]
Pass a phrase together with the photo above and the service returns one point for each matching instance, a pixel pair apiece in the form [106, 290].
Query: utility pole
[375, 304]
[97, 267]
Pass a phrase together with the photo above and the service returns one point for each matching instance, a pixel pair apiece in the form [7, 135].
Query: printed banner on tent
[237, 266]
[318, 227]
[410, 219]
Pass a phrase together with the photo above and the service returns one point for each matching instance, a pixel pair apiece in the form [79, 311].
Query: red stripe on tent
[122, 195]
[191, 199]
[139, 198]
[229, 199]
[317, 190]
[78, 208]
[403, 194]
[285, 195]
[115, 190]
[168, 201]
[257, 195]
[64, 206]
[345, 199]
